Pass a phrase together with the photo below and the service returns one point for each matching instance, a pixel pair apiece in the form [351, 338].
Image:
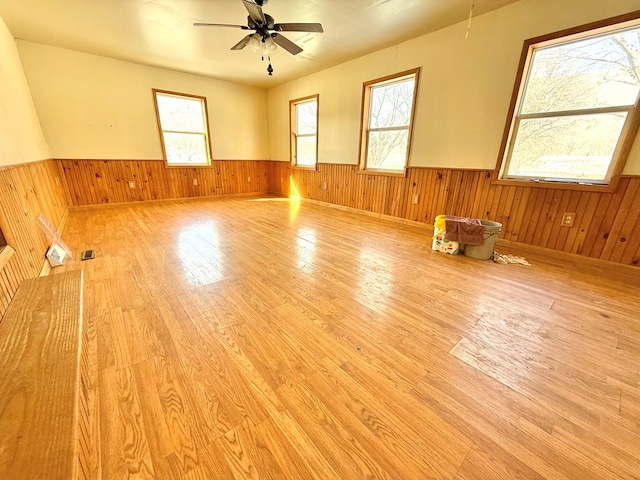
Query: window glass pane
[306, 151]
[181, 114]
[387, 150]
[390, 104]
[575, 147]
[601, 71]
[185, 148]
[306, 117]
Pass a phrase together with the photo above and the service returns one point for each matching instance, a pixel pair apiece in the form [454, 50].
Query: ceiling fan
[263, 25]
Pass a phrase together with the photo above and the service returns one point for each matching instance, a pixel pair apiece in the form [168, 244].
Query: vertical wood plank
[27, 190]
[529, 215]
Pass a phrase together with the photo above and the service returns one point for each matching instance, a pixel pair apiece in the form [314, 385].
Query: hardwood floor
[261, 338]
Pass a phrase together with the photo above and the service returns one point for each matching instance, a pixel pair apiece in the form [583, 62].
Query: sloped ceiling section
[21, 138]
[161, 32]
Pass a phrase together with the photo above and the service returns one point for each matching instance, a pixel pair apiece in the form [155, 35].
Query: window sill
[6, 252]
[606, 188]
[189, 165]
[384, 173]
[303, 167]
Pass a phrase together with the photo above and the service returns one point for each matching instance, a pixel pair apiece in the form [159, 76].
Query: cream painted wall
[464, 91]
[94, 107]
[21, 138]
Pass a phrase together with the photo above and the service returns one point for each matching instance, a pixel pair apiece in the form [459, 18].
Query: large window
[387, 116]
[183, 124]
[304, 131]
[574, 110]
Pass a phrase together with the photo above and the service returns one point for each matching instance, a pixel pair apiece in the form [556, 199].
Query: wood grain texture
[6, 252]
[26, 191]
[270, 338]
[607, 225]
[40, 341]
[86, 401]
[93, 182]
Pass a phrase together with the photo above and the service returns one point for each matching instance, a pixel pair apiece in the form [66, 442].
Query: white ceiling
[160, 32]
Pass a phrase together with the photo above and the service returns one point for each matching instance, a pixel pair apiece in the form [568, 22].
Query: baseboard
[521, 248]
[367, 213]
[171, 200]
[557, 255]
[63, 221]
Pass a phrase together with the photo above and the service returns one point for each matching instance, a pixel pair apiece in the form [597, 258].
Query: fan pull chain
[473, 4]
[265, 50]
[269, 68]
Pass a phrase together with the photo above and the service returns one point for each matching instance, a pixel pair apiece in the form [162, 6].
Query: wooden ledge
[40, 345]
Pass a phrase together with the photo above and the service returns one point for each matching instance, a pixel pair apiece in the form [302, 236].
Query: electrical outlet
[248, 179]
[57, 181]
[568, 219]
[195, 182]
[415, 199]
[132, 184]
[325, 186]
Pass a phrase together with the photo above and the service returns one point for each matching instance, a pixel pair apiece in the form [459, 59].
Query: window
[573, 116]
[303, 118]
[387, 117]
[183, 124]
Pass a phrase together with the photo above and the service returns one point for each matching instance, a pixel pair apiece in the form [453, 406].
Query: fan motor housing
[270, 25]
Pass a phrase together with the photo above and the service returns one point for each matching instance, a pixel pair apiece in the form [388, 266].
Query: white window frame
[205, 120]
[293, 145]
[365, 130]
[625, 139]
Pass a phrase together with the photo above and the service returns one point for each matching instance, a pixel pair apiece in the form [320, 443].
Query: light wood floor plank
[261, 338]
[41, 337]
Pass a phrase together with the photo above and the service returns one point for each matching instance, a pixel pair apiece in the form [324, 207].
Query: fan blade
[199, 24]
[242, 43]
[255, 12]
[285, 43]
[298, 27]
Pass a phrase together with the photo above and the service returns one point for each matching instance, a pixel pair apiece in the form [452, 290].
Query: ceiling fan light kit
[263, 40]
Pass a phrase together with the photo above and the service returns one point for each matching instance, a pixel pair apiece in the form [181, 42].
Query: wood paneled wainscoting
[26, 190]
[94, 182]
[607, 225]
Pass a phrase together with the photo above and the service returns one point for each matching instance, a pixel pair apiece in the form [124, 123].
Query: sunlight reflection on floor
[306, 249]
[199, 252]
[375, 279]
[294, 195]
